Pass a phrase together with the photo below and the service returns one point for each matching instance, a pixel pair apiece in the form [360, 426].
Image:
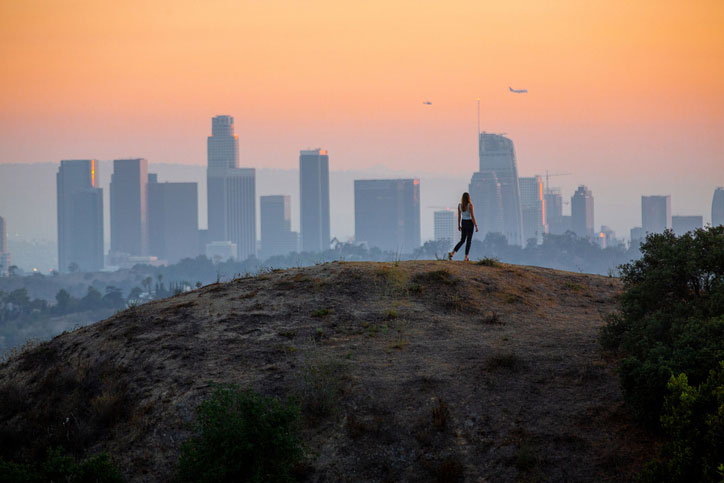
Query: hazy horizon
[628, 97]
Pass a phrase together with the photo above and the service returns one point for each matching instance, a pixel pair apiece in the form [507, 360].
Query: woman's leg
[469, 241]
[462, 240]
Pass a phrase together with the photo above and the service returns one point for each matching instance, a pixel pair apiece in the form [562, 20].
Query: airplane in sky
[427, 103]
[518, 91]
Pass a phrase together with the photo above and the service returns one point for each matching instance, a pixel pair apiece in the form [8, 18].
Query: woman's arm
[472, 215]
[459, 218]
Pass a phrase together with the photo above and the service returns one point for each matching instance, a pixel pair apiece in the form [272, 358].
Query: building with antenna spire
[495, 187]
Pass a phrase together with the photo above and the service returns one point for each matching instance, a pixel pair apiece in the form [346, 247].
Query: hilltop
[408, 371]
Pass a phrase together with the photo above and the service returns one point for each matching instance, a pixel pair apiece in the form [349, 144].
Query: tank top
[466, 213]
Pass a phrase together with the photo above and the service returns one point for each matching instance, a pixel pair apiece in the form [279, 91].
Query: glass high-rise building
[80, 216]
[314, 200]
[129, 207]
[387, 214]
[3, 236]
[655, 213]
[486, 197]
[173, 221]
[582, 212]
[717, 207]
[222, 151]
[445, 228]
[497, 156]
[4, 255]
[533, 208]
[681, 224]
[230, 190]
[277, 237]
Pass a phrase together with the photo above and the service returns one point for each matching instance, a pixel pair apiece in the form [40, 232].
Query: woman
[466, 213]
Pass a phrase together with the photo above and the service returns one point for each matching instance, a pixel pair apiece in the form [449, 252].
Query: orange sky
[616, 88]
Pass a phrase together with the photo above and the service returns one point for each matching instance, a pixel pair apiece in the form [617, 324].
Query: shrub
[693, 418]
[321, 388]
[489, 262]
[242, 436]
[60, 467]
[672, 323]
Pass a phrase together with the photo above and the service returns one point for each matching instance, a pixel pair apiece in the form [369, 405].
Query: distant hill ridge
[478, 372]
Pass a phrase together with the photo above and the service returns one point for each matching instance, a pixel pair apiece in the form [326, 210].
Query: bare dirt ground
[409, 371]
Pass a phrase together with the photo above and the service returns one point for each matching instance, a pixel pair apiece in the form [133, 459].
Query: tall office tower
[222, 149]
[684, 224]
[637, 235]
[532, 206]
[231, 191]
[4, 255]
[387, 213]
[717, 207]
[497, 156]
[80, 216]
[486, 197]
[240, 192]
[3, 236]
[173, 220]
[129, 207]
[445, 225]
[582, 212]
[655, 213]
[277, 237]
[314, 199]
[557, 223]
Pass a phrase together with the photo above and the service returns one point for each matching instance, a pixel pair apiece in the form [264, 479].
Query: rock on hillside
[408, 371]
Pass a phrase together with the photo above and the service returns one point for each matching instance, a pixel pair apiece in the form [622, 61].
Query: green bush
[60, 467]
[670, 333]
[693, 419]
[242, 436]
[672, 316]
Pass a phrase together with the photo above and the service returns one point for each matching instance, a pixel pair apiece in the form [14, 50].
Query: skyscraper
[277, 237]
[387, 213]
[3, 236]
[4, 255]
[533, 208]
[582, 212]
[683, 224]
[445, 225]
[240, 192]
[557, 223]
[497, 156]
[129, 209]
[222, 150]
[314, 199]
[717, 207]
[485, 194]
[80, 216]
[231, 191]
[173, 222]
[655, 213]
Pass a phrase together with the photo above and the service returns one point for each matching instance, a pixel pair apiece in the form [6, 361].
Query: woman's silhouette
[466, 214]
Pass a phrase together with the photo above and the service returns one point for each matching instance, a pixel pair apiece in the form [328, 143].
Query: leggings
[467, 232]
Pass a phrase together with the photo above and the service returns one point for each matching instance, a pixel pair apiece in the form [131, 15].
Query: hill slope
[428, 369]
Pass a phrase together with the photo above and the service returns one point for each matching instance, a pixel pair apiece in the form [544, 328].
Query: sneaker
[450, 255]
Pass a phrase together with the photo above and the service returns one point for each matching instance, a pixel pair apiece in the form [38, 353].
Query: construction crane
[548, 175]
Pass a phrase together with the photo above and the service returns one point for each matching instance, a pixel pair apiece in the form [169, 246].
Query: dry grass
[415, 371]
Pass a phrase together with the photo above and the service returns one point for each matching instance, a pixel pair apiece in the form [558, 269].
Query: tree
[113, 298]
[92, 300]
[63, 302]
[670, 333]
